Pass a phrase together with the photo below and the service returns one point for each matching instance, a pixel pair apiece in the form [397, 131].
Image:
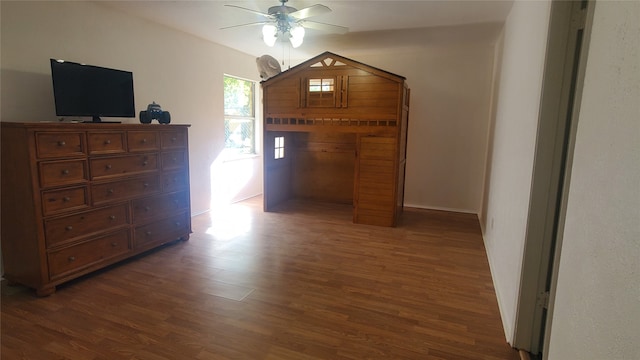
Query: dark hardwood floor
[302, 283]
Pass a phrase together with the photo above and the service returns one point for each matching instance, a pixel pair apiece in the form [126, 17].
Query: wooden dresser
[79, 197]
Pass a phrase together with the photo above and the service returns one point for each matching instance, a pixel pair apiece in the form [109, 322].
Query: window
[320, 85]
[279, 147]
[321, 92]
[239, 116]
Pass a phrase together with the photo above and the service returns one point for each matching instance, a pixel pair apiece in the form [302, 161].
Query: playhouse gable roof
[327, 60]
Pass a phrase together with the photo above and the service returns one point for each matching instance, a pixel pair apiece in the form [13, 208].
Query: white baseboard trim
[506, 325]
[200, 212]
[233, 202]
[465, 211]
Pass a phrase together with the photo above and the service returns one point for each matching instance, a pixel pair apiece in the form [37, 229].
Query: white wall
[512, 156]
[180, 72]
[596, 312]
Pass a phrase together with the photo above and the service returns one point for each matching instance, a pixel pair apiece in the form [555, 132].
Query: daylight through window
[321, 92]
[320, 85]
[239, 116]
[279, 147]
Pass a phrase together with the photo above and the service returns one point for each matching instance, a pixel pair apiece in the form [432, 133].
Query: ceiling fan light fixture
[269, 34]
[285, 22]
[297, 35]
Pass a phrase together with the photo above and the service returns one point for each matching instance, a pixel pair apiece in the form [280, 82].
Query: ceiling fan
[288, 23]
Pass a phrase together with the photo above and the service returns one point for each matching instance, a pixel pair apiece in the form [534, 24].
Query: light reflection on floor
[230, 221]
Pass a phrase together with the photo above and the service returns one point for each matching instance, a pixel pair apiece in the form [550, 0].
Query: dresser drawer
[162, 231]
[175, 180]
[174, 139]
[124, 189]
[56, 201]
[143, 141]
[157, 206]
[174, 160]
[106, 142]
[122, 165]
[83, 255]
[66, 172]
[59, 144]
[65, 229]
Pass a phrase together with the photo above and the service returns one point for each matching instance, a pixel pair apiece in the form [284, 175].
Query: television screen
[86, 90]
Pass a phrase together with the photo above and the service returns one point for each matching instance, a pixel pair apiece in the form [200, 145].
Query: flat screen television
[86, 90]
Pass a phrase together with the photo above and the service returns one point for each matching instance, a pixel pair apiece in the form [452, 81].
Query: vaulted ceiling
[373, 25]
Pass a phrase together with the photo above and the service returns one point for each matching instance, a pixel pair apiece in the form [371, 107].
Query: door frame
[567, 45]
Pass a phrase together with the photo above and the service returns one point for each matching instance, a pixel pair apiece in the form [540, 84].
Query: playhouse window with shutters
[321, 92]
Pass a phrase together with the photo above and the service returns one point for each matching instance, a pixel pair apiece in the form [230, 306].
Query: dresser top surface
[90, 126]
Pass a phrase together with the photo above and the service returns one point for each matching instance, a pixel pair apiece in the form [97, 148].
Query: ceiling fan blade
[335, 29]
[249, 10]
[313, 10]
[248, 24]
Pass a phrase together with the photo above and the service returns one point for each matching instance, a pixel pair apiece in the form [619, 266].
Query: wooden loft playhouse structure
[335, 130]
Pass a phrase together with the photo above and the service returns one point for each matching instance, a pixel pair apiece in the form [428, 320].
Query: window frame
[278, 147]
[232, 153]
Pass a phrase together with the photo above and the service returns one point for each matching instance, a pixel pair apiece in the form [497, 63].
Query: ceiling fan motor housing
[281, 15]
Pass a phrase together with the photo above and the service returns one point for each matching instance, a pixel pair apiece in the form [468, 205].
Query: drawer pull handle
[111, 191]
[146, 208]
[148, 233]
[145, 185]
[107, 142]
[173, 139]
[65, 172]
[144, 141]
[69, 228]
[114, 244]
[145, 163]
[112, 217]
[108, 166]
[66, 199]
[62, 143]
[72, 258]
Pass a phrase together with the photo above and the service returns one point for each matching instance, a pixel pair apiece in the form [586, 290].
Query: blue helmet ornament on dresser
[154, 112]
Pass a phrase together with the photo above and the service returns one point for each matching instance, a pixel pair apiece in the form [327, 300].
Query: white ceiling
[372, 24]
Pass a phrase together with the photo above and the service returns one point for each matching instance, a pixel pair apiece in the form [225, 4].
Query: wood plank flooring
[300, 283]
